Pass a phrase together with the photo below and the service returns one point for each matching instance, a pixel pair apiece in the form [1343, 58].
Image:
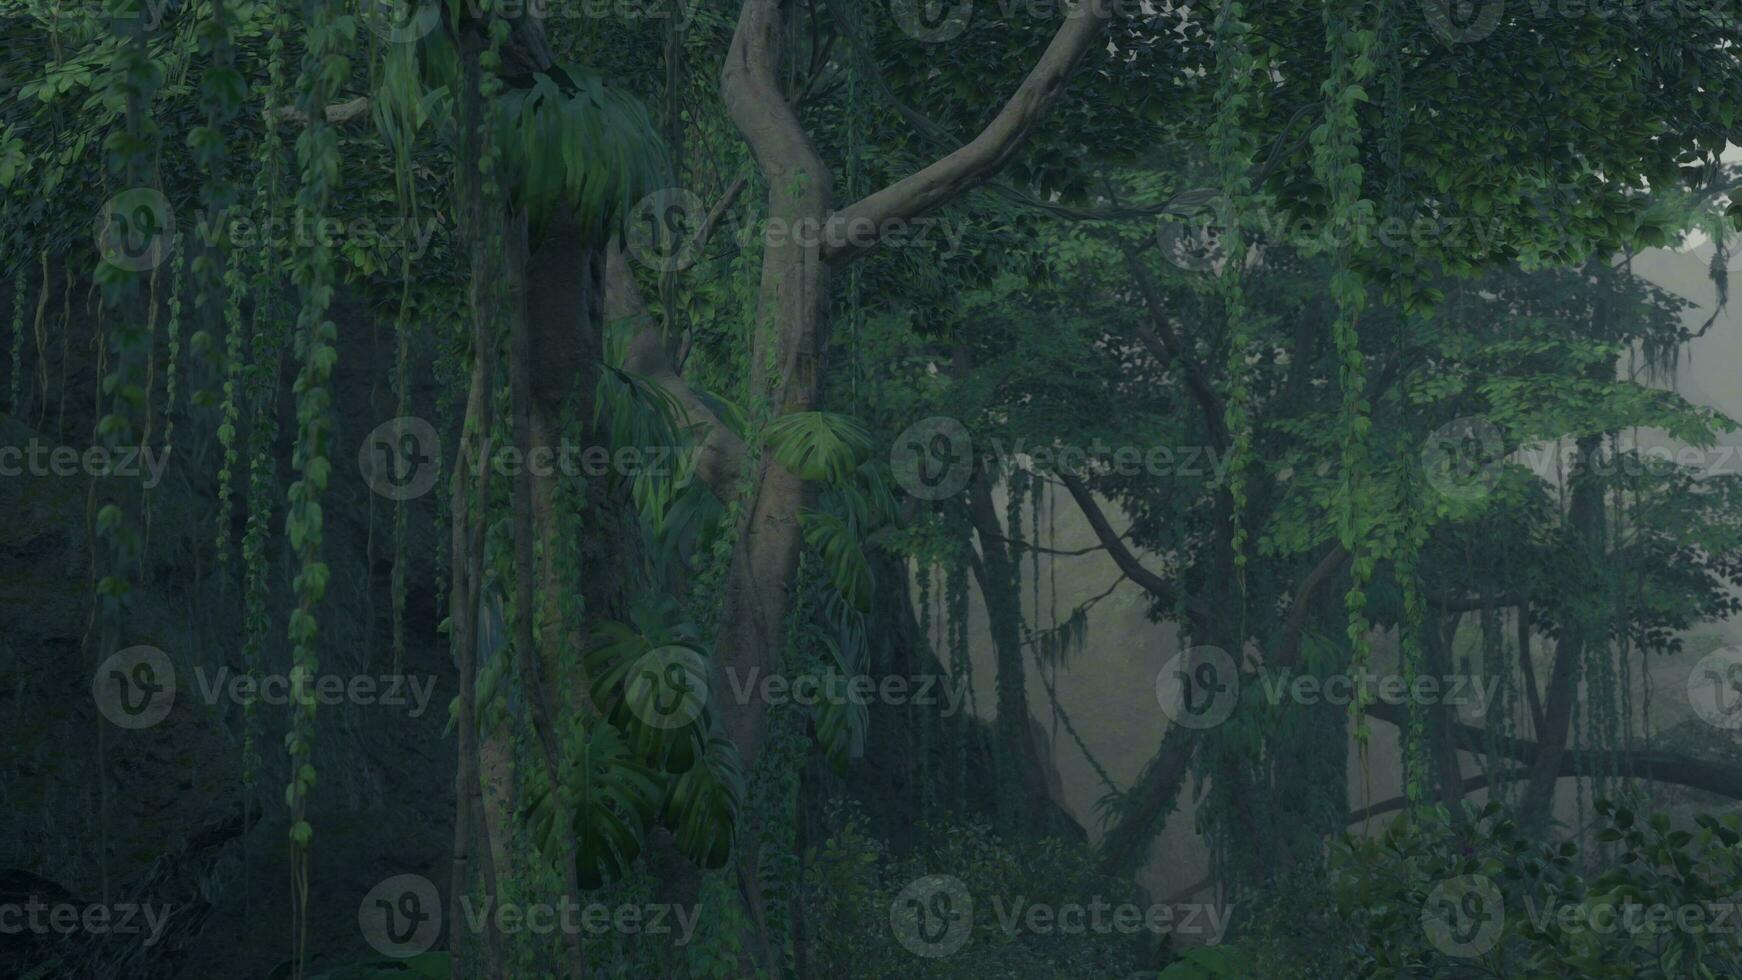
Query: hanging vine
[1412, 537]
[325, 64]
[1337, 165]
[17, 338]
[172, 329]
[1234, 149]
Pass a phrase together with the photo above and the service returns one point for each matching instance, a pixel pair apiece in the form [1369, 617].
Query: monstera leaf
[819, 445]
[701, 805]
[843, 556]
[841, 720]
[650, 679]
[605, 798]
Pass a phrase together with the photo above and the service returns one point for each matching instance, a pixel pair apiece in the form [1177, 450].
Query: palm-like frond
[819, 445]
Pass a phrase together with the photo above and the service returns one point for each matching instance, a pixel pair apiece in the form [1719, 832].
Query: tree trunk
[1582, 632]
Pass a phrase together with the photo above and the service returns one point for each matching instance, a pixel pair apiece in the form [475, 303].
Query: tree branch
[1150, 582]
[975, 162]
[1718, 778]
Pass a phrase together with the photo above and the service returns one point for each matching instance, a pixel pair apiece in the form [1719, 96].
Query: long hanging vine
[17, 337]
[269, 332]
[1234, 149]
[325, 64]
[172, 331]
[134, 81]
[230, 413]
[1413, 536]
[1337, 165]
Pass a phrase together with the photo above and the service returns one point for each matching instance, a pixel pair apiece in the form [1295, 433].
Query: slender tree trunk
[1000, 589]
[1584, 630]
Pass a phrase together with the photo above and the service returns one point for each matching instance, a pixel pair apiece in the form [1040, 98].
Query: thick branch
[1152, 583]
[975, 162]
[1674, 768]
